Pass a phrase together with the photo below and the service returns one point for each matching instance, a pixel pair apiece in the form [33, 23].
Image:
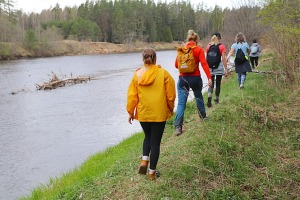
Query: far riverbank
[71, 47]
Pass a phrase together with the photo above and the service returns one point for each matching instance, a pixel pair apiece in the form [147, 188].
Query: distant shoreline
[72, 47]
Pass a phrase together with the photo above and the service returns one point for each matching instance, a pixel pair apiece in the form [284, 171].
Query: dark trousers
[254, 60]
[218, 84]
[151, 145]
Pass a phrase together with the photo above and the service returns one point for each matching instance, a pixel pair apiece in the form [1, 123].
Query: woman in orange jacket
[191, 80]
[150, 100]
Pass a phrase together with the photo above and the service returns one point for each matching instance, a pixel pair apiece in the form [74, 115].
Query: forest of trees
[275, 23]
[124, 21]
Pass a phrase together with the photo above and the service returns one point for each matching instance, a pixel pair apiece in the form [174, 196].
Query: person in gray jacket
[255, 51]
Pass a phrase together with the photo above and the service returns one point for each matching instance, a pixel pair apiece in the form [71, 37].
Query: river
[44, 134]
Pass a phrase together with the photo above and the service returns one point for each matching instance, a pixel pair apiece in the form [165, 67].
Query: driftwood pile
[55, 82]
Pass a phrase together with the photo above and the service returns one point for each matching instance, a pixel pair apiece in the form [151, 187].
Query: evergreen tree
[31, 41]
[118, 23]
[85, 30]
[217, 20]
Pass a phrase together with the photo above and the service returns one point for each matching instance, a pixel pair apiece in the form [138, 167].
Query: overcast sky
[39, 5]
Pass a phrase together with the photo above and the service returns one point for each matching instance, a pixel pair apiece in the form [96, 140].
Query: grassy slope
[249, 149]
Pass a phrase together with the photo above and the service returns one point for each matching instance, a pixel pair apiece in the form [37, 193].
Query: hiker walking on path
[255, 51]
[241, 51]
[150, 100]
[216, 59]
[191, 80]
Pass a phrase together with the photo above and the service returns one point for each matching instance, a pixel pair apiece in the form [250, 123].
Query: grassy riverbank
[249, 149]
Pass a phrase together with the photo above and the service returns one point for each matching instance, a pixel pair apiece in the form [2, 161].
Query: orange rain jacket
[151, 95]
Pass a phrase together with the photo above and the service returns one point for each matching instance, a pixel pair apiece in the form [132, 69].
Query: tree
[118, 23]
[31, 41]
[283, 17]
[85, 30]
[202, 24]
[167, 34]
[150, 24]
[217, 20]
[243, 19]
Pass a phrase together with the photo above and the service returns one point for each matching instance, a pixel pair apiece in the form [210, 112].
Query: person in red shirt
[220, 70]
[191, 80]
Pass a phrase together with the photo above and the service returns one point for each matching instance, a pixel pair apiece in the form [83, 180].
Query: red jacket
[199, 57]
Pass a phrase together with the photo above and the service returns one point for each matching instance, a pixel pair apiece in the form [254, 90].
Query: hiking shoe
[143, 167]
[241, 86]
[209, 102]
[157, 173]
[216, 101]
[202, 115]
[152, 176]
[205, 118]
[178, 130]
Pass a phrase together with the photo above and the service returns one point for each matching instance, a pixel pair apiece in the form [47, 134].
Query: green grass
[248, 149]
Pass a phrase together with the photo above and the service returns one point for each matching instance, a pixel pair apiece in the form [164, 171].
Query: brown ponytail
[149, 56]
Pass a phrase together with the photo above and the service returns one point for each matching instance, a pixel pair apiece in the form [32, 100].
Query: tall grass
[248, 149]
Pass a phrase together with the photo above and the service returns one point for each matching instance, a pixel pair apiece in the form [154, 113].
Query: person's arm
[259, 49]
[176, 62]
[224, 60]
[231, 52]
[248, 51]
[205, 66]
[132, 100]
[170, 90]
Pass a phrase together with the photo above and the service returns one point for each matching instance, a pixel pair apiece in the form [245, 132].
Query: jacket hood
[191, 44]
[146, 75]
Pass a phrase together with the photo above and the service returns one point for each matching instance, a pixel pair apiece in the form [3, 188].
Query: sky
[38, 5]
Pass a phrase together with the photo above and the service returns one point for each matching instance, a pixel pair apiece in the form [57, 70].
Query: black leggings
[218, 84]
[254, 60]
[153, 134]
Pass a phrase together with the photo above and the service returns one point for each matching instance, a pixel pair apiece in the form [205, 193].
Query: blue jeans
[183, 86]
[241, 78]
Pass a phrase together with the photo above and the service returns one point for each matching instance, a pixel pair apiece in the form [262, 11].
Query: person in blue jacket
[241, 68]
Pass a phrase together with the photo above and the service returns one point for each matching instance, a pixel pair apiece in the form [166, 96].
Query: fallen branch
[268, 72]
[55, 82]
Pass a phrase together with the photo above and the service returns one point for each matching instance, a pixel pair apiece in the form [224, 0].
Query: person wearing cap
[191, 80]
[150, 100]
[217, 73]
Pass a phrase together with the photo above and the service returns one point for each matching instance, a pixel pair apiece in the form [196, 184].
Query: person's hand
[209, 82]
[227, 58]
[226, 72]
[130, 119]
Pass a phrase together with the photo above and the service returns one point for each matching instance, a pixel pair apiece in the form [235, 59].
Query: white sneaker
[241, 86]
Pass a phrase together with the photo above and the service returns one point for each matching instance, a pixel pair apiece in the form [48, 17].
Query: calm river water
[46, 133]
